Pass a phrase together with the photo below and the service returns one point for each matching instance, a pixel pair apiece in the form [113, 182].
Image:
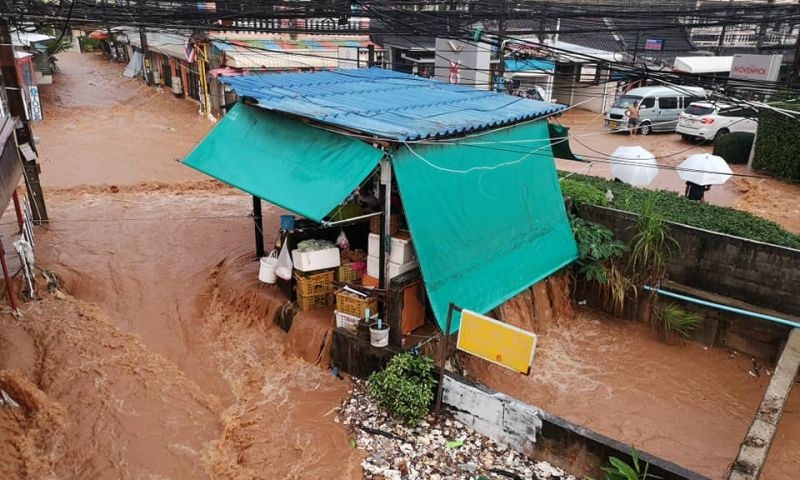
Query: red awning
[99, 35]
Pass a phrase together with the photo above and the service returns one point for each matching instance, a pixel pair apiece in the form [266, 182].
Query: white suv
[709, 121]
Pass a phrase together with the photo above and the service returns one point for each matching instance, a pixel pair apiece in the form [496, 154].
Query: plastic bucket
[379, 338]
[266, 272]
[287, 222]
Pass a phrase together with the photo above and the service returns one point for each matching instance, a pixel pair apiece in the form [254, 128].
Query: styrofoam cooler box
[374, 270]
[316, 260]
[402, 250]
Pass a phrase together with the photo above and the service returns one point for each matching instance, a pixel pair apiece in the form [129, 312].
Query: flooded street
[158, 357]
[158, 361]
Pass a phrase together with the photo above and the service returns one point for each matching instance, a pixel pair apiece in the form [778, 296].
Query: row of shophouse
[569, 61]
[35, 65]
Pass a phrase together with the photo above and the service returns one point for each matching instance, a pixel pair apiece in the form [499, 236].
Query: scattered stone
[396, 451]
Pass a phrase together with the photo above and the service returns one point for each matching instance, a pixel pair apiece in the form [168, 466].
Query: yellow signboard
[496, 341]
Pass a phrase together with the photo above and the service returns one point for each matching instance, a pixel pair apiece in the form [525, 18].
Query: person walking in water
[633, 118]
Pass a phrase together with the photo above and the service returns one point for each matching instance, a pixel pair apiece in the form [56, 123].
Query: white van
[659, 108]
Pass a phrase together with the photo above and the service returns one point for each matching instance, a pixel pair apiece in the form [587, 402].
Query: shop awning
[701, 65]
[530, 65]
[487, 221]
[301, 168]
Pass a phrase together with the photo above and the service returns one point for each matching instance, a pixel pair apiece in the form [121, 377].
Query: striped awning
[274, 54]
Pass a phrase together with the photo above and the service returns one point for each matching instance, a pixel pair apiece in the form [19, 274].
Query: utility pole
[795, 76]
[724, 28]
[24, 134]
[145, 56]
[762, 27]
[501, 31]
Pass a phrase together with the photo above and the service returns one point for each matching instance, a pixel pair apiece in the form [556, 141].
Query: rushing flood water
[162, 363]
[685, 403]
[186, 376]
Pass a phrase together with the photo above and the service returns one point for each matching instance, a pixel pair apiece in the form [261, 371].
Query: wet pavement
[772, 199]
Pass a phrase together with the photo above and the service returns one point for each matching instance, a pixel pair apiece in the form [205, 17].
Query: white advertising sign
[462, 63]
[756, 67]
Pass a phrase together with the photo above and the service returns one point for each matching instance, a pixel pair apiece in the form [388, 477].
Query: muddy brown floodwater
[166, 367]
[101, 128]
[159, 360]
[684, 403]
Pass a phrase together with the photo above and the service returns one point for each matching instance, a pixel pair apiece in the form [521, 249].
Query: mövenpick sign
[756, 67]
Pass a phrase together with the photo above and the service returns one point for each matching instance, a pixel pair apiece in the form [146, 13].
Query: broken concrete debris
[441, 450]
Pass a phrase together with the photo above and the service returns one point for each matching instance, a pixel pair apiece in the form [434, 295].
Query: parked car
[709, 121]
[659, 108]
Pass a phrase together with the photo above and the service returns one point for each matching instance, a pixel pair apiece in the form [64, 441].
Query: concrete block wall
[754, 272]
[541, 435]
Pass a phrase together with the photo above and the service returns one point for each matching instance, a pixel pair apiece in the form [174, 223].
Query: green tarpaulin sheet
[487, 219]
[559, 135]
[301, 168]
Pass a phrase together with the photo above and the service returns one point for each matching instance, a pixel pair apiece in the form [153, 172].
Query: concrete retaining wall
[727, 270]
[753, 272]
[544, 436]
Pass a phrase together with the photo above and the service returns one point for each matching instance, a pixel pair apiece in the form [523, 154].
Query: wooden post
[443, 358]
[258, 224]
[18, 210]
[9, 285]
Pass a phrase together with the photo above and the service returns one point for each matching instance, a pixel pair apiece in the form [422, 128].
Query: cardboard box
[402, 249]
[316, 260]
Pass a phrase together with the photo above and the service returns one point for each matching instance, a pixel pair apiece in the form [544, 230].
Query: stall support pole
[259, 226]
[18, 210]
[443, 358]
[386, 176]
[9, 285]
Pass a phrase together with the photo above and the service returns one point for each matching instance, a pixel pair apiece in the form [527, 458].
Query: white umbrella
[705, 169]
[634, 165]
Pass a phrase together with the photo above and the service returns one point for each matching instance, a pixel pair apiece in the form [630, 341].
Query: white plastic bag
[341, 241]
[284, 268]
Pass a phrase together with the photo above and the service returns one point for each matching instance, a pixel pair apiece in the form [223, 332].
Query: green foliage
[778, 144]
[673, 320]
[734, 147]
[651, 245]
[405, 387]
[676, 208]
[596, 244]
[58, 44]
[619, 470]
[88, 44]
[599, 262]
[581, 192]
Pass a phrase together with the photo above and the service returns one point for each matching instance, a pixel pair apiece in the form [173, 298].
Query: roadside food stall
[407, 193]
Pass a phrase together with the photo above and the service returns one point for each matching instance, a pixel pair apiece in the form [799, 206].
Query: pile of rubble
[441, 450]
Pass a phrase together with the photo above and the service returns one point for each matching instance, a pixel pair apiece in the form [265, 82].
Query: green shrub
[678, 209]
[734, 147]
[673, 320]
[596, 244]
[405, 387]
[620, 470]
[582, 192]
[778, 144]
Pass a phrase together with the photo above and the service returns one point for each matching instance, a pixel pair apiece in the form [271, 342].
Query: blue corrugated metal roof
[387, 104]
